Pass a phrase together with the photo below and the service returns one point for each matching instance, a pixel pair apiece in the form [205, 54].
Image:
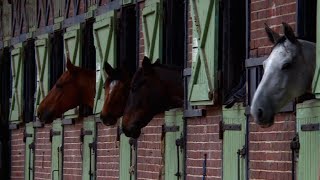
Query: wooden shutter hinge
[229, 127]
[84, 133]
[26, 135]
[54, 133]
[166, 128]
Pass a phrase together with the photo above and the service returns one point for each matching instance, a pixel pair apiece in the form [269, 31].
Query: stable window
[56, 58]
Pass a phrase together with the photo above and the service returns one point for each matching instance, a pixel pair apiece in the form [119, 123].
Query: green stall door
[152, 23]
[128, 158]
[15, 116]
[104, 30]
[56, 138]
[42, 55]
[203, 82]
[72, 44]
[29, 137]
[308, 128]
[174, 144]
[234, 127]
[88, 136]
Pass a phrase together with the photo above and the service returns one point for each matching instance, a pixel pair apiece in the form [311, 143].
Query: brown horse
[75, 87]
[117, 88]
[154, 89]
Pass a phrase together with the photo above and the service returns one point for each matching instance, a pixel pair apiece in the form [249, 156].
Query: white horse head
[288, 73]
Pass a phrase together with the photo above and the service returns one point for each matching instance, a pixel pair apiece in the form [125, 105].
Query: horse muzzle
[133, 132]
[45, 116]
[108, 120]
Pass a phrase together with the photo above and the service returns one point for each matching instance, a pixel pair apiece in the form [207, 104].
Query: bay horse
[75, 87]
[155, 88]
[288, 74]
[117, 87]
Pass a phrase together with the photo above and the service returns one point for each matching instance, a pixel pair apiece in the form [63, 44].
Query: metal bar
[188, 113]
[310, 127]
[232, 127]
[252, 62]
[204, 167]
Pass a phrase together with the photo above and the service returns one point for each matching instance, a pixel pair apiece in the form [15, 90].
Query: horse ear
[108, 69]
[272, 35]
[70, 66]
[157, 62]
[289, 33]
[146, 62]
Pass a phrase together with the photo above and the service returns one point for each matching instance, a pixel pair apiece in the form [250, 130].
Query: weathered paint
[205, 18]
[309, 153]
[234, 140]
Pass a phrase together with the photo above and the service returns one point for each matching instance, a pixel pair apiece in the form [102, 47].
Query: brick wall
[72, 160]
[17, 154]
[43, 153]
[273, 13]
[108, 153]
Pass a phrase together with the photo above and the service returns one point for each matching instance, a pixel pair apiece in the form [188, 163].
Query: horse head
[154, 89]
[288, 73]
[117, 86]
[75, 87]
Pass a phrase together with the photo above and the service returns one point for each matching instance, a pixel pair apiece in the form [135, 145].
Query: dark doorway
[56, 60]
[307, 16]
[29, 81]
[233, 52]
[5, 75]
[174, 32]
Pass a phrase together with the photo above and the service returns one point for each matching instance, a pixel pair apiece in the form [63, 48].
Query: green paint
[174, 118]
[152, 23]
[203, 83]
[104, 30]
[128, 156]
[17, 84]
[29, 152]
[72, 44]
[88, 149]
[233, 141]
[308, 166]
[127, 2]
[57, 150]
[42, 53]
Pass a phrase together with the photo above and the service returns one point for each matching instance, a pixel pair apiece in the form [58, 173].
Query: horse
[75, 87]
[288, 74]
[117, 87]
[155, 88]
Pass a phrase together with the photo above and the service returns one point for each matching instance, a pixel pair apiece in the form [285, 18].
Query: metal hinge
[84, 133]
[54, 133]
[25, 135]
[166, 128]
[229, 127]
[310, 127]
[295, 144]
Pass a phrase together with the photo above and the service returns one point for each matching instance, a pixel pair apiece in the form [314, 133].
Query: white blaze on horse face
[112, 85]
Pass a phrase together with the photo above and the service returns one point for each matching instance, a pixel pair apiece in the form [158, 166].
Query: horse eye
[286, 66]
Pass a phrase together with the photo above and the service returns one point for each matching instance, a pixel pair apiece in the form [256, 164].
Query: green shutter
[127, 2]
[309, 152]
[233, 141]
[152, 23]
[174, 158]
[6, 20]
[42, 61]
[128, 154]
[205, 51]
[316, 78]
[17, 84]
[72, 44]
[89, 149]
[104, 30]
[29, 135]
[56, 150]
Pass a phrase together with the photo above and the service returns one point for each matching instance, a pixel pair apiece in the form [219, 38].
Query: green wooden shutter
[29, 152]
[316, 78]
[89, 149]
[72, 44]
[17, 84]
[127, 2]
[308, 114]
[152, 23]
[104, 30]
[56, 135]
[203, 80]
[173, 159]
[42, 61]
[128, 155]
[233, 141]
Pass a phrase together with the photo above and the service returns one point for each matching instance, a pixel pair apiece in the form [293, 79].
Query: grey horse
[288, 74]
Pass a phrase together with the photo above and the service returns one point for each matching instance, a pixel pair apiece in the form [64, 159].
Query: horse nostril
[260, 113]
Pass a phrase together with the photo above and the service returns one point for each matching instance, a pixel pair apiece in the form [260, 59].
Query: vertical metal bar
[204, 167]
[185, 79]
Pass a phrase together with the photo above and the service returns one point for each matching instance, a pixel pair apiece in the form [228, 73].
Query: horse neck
[168, 74]
[89, 87]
